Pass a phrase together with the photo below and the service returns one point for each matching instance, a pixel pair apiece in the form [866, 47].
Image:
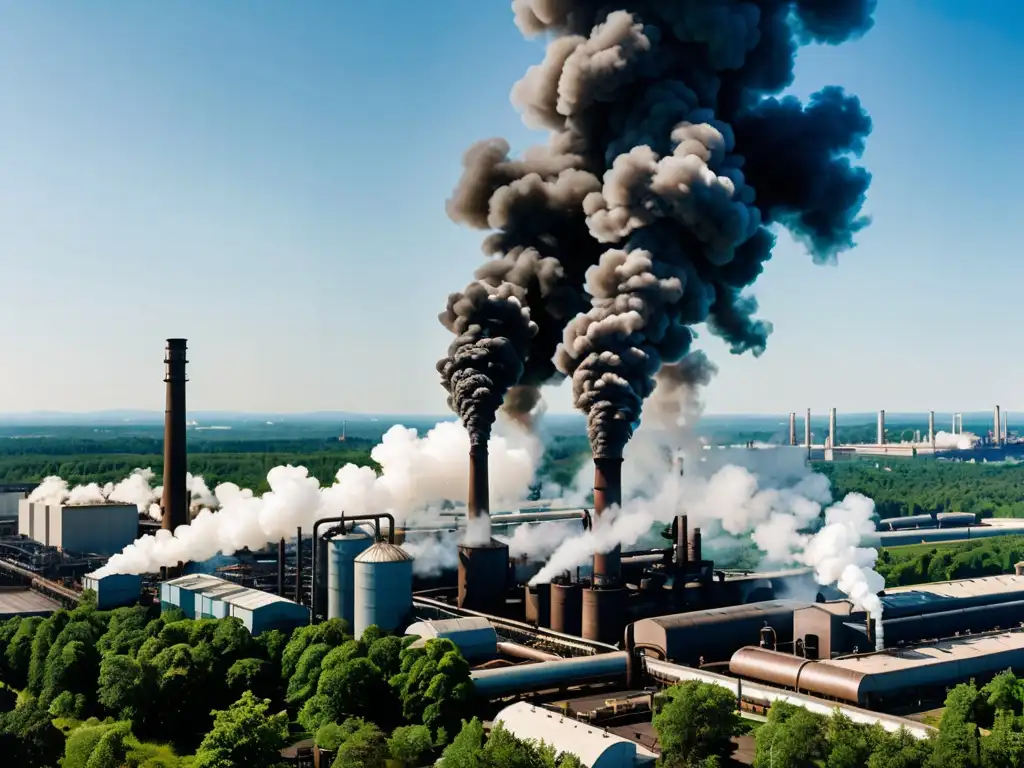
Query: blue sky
[268, 179]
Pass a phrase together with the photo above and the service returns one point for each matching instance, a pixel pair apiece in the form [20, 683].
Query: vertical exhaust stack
[682, 559]
[298, 566]
[175, 499]
[280, 568]
[833, 431]
[604, 603]
[792, 429]
[931, 428]
[807, 432]
[881, 427]
[483, 561]
[997, 427]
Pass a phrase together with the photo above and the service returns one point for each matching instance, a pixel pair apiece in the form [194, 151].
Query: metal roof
[980, 587]
[594, 747]
[195, 581]
[228, 592]
[717, 615]
[443, 627]
[15, 601]
[382, 552]
[942, 652]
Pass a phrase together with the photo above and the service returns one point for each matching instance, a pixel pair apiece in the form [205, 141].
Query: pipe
[629, 645]
[298, 567]
[280, 567]
[792, 428]
[607, 493]
[342, 520]
[517, 651]
[175, 500]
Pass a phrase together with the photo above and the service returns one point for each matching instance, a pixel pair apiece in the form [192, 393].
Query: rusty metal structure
[566, 607]
[537, 604]
[604, 602]
[483, 565]
[175, 501]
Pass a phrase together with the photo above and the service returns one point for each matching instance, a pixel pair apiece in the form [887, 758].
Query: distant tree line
[924, 563]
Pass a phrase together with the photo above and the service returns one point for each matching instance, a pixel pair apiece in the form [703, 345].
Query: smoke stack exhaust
[833, 430]
[280, 568]
[604, 604]
[997, 427]
[483, 561]
[175, 499]
[931, 428]
[792, 429]
[807, 432]
[881, 427]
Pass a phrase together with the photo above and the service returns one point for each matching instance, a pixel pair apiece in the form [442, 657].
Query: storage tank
[383, 587]
[566, 605]
[342, 552]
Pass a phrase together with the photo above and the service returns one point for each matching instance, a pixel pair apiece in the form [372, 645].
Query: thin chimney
[607, 493]
[792, 429]
[175, 498]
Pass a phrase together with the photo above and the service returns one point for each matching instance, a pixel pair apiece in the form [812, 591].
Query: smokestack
[607, 493]
[604, 604]
[807, 430]
[997, 428]
[881, 427]
[298, 566]
[696, 555]
[280, 568]
[931, 428]
[175, 499]
[792, 429]
[833, 434]
[483, 561]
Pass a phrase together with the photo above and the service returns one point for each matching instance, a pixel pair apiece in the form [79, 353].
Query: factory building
[16, 602]
[201, 596]
[100, 529]
[115, 590]
[873, 679]
[595, 747]
[474, 637]
[11, 495]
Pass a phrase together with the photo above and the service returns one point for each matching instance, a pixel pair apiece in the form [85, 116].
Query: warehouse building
[116, 590]
[99, 529]
[11, 495]
[201, 596]
[18, 602]
[595, 747]
[873, 680]
[473, 636]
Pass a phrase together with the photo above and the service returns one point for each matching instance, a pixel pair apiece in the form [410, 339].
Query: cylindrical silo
[383, 588]
[342, 552]
[566, 608]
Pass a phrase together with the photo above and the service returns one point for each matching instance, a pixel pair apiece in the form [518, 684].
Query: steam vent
[483, 561]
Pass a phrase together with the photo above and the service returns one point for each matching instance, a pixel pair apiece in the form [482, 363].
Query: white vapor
[418, 475]
[963, 441]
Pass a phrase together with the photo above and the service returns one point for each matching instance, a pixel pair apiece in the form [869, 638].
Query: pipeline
[342, 520]
[517, 651]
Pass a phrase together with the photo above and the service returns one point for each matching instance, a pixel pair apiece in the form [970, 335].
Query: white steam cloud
[963, 441]
[418, 475]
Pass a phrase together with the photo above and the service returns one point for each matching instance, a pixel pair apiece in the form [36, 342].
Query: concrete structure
[342, 552]
[931, 428]
[115, 590]
[997, 427]
[833, 428]
[807, 430]
[383, 588]
[24, 603]
[715, 634]
[792, 429]
[100, 529]
[10, 498]
[881, 427]
[595, 747]
[201, 596]
[475, 637]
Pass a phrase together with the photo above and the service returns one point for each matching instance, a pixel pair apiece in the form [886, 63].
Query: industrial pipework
[340, 521]
[604, 603]
[483, 560]
[175, 500]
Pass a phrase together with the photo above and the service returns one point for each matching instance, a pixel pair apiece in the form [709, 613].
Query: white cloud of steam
[964, 441]
[418, 475]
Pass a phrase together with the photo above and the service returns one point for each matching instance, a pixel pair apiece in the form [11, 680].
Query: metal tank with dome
[383, 587]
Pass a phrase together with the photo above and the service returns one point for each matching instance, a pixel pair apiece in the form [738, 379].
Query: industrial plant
[591, 647]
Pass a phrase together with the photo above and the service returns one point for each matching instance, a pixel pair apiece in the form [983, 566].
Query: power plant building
[201, 596]
[99, 529]
[115, 590]
[595, 747]
[10, 497]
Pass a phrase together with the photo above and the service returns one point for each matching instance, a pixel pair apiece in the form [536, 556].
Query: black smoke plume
[492, 330]
[676, 398]
[670, 155]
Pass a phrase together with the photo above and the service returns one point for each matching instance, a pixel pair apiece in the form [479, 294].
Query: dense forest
[923, 563]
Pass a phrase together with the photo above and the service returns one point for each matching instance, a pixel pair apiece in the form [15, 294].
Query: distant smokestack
[298, 567]
[997, 429]
[792, 429]
[807, 429]
[833, 432]
[607, 493]
[881, 427]
[280, 568]
[931, 428]
[175, 499]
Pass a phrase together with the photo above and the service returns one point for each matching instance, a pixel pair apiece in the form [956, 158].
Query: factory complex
[578, 660]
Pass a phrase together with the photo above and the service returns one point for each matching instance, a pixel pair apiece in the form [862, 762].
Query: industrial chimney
[881, 427]
[807, 430]
[792, 429]
[931, 428]
[175, 499]
[483, 561]
[997, 427]
[833, 435]
[604, 604]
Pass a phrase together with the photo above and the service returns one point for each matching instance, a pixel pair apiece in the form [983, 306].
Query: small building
[201, 596]
[473, 636]
[114, 590]
[595, 747]
[100, 529]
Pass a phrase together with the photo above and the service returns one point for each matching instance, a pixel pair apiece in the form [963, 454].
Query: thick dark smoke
[670, 155]
[492, 330]
[676, 399]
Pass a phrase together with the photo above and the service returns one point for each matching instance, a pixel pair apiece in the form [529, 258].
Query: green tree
[252, 675]
[28, 737]
[126, 689]
[958, 744]
[19, 651]
[355, 688]
[244, 734]
[792, 737]
[467, 748]
[1004, 692]
[697, 721]
[366, 747]
[409, 743]
[1004, 746]
[900, 750]
[434, 685]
